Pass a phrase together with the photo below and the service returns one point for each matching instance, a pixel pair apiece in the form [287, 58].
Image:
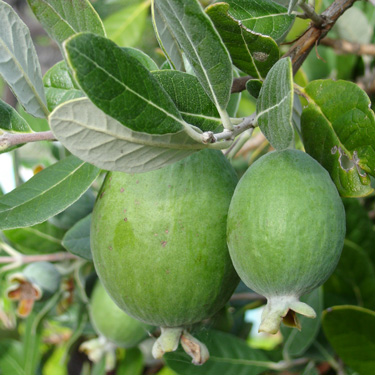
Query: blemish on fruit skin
[137, 182]
[125, 210]
[125, 219]
[155, 234]
[163, 243]
[110, 179]
[110, 248]
[102, 194]
[122, 190]
[167, 272]
[167, 231]
[136, 202]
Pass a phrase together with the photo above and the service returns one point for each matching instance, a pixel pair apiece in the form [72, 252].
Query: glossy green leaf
[19, 63]
[202, 46]
[93, 136]
[126, 26]
[121, 86]
[353, 281]
[262, 16]
[359, 226]
[11, 121]
[251, 52]
[297, 342]
[74, 213]
[338, 130]
[228, 355]
[191, 100]
[166, 38]
[253, 86]
[275, 105]
[351, 332]
[37, 239]
[77, 239]
[143, 58]
[62, 19]
[132, 364]
[46, 194]
[59, 85]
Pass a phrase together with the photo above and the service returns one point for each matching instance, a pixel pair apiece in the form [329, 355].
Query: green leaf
[310, 369]
[19, 63]
[46, 194]
[275, 105]
[262, 16]
[62, 19]
[190, 99]
[121, 86]
[202, 46]
[59, 85]
[228, 355]
[11, 121]
[359, 227]
[144, 59]
[132, 364]
[251, 52]
[338, 130]
[253, 86]
[77, 239]
[351, 332]
[93, 136]
[166, 38]
[126, 26]
[11, 358]
[353, 281]
[297, 342]
[37, 239]
[74, 213]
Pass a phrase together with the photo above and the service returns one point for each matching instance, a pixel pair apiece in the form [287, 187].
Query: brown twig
[55, 257]
[247, 297]
[8, 140]
[345, 47]
[301, 49]
[303, 46]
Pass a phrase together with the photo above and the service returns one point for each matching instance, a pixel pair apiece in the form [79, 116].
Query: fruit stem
[167, 341]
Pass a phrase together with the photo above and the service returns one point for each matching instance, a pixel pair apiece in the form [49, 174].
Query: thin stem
[310, 13]
[345, 47]
[334, 364]
[247, 123]
[16, 168]
[8, 140]
[247, 297]
[24, 259]
[238, 144]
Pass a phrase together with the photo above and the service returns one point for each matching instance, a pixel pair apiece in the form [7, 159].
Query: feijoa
[286, 227]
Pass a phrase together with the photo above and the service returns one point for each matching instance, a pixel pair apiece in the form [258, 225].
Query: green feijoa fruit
[158, 240]
[286, 228]
[112, 322]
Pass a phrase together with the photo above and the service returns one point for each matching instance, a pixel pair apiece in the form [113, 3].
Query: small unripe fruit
[112, 322]
[286, 228]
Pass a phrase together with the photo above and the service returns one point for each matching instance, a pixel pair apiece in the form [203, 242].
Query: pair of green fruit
[159, 240]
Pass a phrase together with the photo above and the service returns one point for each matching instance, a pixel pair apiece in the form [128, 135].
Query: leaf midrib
[41, 194]
[131, 19]
[198, 58]
[26, 77]
[127, 87]
[116, 136]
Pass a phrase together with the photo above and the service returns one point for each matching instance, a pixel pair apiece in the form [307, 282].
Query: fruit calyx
[168, 342]
[283, 309]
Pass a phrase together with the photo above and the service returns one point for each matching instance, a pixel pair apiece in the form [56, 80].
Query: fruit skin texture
[159, 240]
[286, 229]
[113, 323]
